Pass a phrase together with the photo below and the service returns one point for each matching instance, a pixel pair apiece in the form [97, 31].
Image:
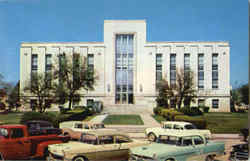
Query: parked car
[38, 127]
[95, 145]
[173, 126]
[75, 128]
[17, 143]
[240, 152]
[178, 146]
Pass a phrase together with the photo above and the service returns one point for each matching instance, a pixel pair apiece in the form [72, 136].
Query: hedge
[191, 111]
[200, 123]
[170, 114]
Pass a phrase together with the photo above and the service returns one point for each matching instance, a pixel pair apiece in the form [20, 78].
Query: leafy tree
[244, 91]
[165, 93]
[41, 87]
[73, 75]
[184, 88]
[13, 98]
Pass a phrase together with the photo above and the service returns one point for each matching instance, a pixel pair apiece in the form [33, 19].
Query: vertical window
[48, 68]
[33, 104]
[172, 69]
[34, 68]
[34, 62]
[76, 70]
[201, 71]
[158, 67]
[91, 65]
[215, 71]
[215, 103]
[90, 102]
[173, 103]
[62, 65]
[186, 65]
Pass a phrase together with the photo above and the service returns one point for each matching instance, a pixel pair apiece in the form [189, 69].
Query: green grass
[11, 118]
[159, 118]
[123, 120]
[221, 122]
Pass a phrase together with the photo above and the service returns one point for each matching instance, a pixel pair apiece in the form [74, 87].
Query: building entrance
[124, 54]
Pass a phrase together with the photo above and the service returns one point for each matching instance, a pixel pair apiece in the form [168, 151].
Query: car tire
[80, 158]
[209, 158]
[151, 137]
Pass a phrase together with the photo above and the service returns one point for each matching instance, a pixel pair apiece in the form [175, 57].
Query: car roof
[105, 132]
[176, 122]
[12, 126]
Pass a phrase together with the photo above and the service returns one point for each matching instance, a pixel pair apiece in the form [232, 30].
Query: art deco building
[128, 66]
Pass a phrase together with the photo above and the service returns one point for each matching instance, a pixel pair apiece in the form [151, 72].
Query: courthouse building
[128, 66]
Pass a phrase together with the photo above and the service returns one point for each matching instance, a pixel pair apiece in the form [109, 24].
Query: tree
[244, 91]
[165, 93]
[13, 98]
[184, 88]
[74, 75]
[41, 87]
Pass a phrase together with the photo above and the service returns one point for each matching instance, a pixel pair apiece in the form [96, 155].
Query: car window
[106, 139]
[178, 127]
[78, 126]
[190, 127]
[86, 126]
[198, 140]
[88, 139]
[164, 139]
[17, 133]
[122, 139]
[168, 126]
[99, 126]
[187, 141]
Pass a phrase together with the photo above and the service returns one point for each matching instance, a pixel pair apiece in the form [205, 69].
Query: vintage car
[178, 146]
[38, 127]
[240, 152]
[173, 126]
[95, 145]
[75, 128]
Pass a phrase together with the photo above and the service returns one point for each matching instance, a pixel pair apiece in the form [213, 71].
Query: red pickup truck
[17, 143]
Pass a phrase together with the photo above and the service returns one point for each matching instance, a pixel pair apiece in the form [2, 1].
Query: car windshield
[79, 126]
[172, 140]
[190, 127]
[88, 139]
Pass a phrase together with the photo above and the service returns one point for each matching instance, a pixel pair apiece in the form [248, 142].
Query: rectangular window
[158, 67]
[215, 103]
[90, 102]
[91, 64]
[201, 71]
[48, 62]
[215, 71]
[173, 103]
[76, 70]
[172, 69]
[201, 102]
[48, 68]
[186, 65]
[34, 62]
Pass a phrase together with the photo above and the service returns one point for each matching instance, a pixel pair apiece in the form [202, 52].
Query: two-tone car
[168, 127]
[96, 145]
[75, 128]
[177, 146]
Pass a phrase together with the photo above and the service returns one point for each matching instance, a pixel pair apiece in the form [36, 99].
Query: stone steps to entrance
[127, 109]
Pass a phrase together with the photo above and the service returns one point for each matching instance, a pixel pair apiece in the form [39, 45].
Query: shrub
[205, 109]
[48, 116]
[170, 114]
[192, 111]
[157, 110]
[200, 123]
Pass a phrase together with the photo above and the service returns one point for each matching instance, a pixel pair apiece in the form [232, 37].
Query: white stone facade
[144, 64]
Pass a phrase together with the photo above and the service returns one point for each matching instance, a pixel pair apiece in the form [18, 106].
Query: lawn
[220, 122]
[123, 120]
[11, 118]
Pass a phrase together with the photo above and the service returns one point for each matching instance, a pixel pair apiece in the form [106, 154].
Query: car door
[18, 145]
[107, 148]
[197, 149]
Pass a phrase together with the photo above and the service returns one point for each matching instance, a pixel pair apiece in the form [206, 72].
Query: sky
[82, 20]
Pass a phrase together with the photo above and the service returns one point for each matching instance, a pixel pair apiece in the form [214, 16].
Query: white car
[173, 126]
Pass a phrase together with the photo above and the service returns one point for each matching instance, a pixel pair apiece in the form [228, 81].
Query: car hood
[72, 147]
[156, 149]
